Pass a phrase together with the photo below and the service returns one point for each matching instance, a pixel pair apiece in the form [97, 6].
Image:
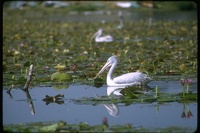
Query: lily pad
[60, 67]
[58, 76]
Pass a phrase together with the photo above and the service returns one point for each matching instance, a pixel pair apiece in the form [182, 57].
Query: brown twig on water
[30, 101]
[29, 78]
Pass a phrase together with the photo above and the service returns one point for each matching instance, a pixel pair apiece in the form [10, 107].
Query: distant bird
[121, 23]
[133, 4]
[98, 37]
[123, 4]
[128, 79]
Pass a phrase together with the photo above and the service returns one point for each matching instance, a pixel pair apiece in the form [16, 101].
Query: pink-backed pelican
[128, 79]
[98, 37]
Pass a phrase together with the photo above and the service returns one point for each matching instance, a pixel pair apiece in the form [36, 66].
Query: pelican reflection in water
[128, 79]
[112, 108]
[99, 38]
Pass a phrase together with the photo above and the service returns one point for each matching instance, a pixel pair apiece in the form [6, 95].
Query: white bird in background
[98, 37]
[128, 79]
[121, 23]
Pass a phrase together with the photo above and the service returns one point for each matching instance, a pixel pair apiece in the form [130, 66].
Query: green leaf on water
[52, 127]
[58, 76]
[131, 92]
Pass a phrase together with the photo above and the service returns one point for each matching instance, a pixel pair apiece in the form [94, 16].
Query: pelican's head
[111, 60]
[98, 33]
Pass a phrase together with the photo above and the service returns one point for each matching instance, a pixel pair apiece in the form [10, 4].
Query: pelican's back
[134, 77]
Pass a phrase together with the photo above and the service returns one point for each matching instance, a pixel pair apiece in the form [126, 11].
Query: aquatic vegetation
[164, 46]
[66, 45]
[188, 82]
[60, 76]
[61, 126]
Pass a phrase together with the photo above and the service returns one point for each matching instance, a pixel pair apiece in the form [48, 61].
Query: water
[16, 109]
[128, 16]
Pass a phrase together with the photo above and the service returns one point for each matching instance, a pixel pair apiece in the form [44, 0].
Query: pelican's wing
[135, 77]
[108, 37]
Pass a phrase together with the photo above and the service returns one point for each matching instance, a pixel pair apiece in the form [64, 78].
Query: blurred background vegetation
[96, 5]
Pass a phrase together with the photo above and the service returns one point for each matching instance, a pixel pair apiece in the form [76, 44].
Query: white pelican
[128, 79]
[98, 37]
[121, 23]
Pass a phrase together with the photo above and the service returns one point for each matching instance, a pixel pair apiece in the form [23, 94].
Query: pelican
[128, 79]
[98, 37]
[121, 23]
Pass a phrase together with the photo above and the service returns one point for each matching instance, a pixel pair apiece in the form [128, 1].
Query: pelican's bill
[108, 64]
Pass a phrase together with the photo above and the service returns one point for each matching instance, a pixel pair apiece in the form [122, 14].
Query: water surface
[16, 109]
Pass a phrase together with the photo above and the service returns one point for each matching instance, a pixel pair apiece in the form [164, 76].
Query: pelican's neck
[98, 34]
[109, 75]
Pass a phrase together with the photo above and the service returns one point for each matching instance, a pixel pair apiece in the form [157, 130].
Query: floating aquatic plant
[59, 76]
